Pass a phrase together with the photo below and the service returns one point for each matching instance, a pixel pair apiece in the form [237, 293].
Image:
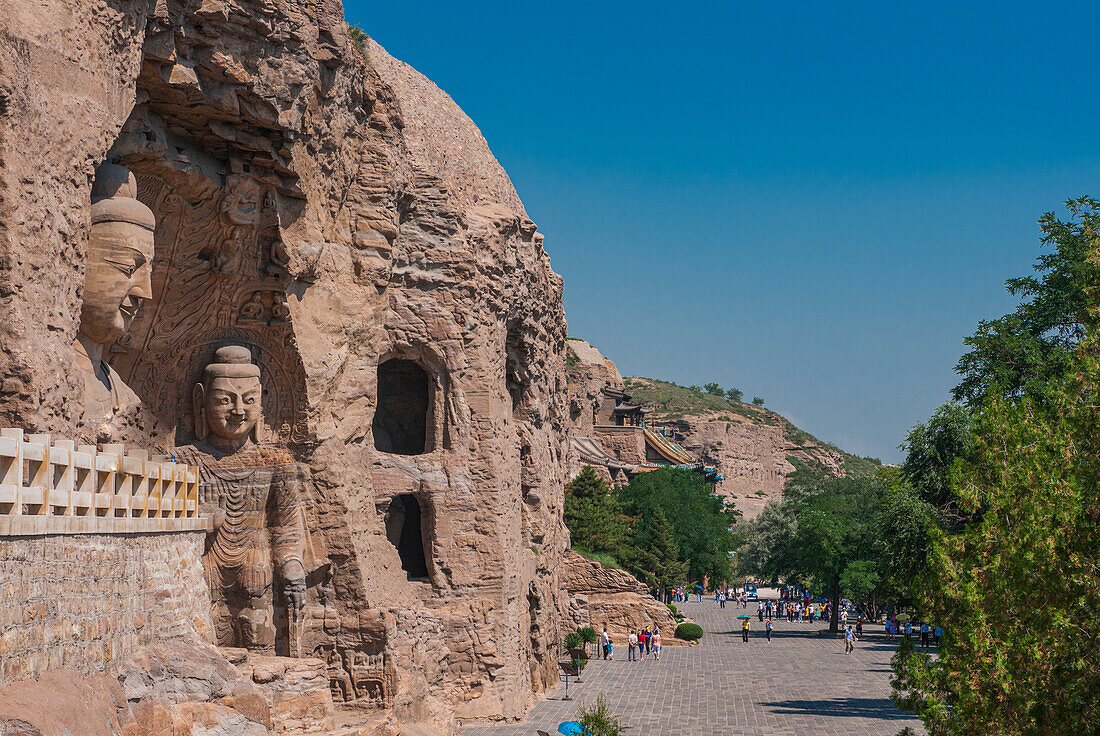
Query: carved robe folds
[255, 498]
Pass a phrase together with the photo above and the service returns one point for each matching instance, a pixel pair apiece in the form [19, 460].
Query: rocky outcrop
[753, 454]
[600, 596]
[176, 688]
[589, 373]
[331, 210]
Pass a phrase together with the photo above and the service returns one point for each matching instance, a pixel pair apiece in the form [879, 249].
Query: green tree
[714, 389]
[757, 401]
[592, 514]
[1022, 352]
[834, 535]
[903, 528]
[659, 555]
[766, 543]
[734, 394]
[1017, 590]
[931, 450]
[702, 523]
[695, 389]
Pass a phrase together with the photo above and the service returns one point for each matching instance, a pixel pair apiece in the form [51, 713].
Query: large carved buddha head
[120, 256]
[227, 400]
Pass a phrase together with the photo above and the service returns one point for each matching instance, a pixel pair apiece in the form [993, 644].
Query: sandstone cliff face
[589, 372]
[601, 596]
[362, 211]
[754, 457]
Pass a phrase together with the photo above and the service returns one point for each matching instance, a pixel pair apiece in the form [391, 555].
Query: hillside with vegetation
[756, 449]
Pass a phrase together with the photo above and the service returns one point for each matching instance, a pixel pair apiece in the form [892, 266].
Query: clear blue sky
[812, 202]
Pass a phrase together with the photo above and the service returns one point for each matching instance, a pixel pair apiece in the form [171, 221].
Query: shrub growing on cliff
[735, 394]
[689, 632]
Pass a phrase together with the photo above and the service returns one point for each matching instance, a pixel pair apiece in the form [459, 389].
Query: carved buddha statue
[117, 280]
[253, 494]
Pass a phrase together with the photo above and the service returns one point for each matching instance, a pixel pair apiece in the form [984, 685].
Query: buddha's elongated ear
[198, 404]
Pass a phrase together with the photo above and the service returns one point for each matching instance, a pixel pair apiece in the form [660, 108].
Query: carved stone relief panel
[215, 280]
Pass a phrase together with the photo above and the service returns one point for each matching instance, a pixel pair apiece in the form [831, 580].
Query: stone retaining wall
[86, 601]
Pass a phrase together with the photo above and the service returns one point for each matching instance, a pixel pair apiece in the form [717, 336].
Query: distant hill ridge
[757, 450]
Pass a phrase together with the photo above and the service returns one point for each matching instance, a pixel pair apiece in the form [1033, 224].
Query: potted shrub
[588, 636]
[574, 645]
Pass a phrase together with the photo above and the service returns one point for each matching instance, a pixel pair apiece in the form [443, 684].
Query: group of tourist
[929, 634]
[639, 644]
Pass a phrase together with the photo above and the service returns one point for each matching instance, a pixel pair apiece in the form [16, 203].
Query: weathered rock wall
[361, 210]
[753, 457]
[601, 596]
[87, 602]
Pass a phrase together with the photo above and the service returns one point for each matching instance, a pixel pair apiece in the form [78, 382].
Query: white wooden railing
[53, 487]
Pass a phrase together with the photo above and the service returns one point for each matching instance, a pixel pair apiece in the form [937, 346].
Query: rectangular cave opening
[404, 529]
[401, 419]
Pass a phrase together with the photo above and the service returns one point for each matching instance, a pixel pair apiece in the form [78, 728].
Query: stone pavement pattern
[799, 684]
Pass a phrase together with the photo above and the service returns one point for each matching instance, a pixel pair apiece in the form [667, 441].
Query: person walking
[924, 632]
[768, 630]
[859, 627]
[722, 600]
[632, 642]
[849, 641]
[745, 630]
[844, 617]
[605, 643]
[657, 647]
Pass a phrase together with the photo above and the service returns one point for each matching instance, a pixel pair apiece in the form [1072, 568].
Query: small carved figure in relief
[280, 312]
[253, 494]
[117, 280]
[225, 256]
[253, 309]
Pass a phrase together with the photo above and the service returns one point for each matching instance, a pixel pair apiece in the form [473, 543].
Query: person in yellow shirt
[745, 630]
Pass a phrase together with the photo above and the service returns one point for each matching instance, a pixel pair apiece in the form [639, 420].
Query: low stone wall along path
[802, 683]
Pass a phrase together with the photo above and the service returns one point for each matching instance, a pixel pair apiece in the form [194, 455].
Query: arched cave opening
[517, 377]
[404, 529]
[404, 402]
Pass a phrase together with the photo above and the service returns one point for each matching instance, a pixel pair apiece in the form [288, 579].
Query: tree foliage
[855, 536]
[1022, 352]
[1012, 478]
[701, 522]
[1017, 590]
[713, 389]
[665, 527]
[735, 394]
[592, 514]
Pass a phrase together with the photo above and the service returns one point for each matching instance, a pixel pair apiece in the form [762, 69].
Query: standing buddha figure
[253, 494]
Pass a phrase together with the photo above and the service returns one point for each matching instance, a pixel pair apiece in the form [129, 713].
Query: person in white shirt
[631, 642]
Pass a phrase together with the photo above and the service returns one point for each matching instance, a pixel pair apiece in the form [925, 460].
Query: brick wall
[86, 601]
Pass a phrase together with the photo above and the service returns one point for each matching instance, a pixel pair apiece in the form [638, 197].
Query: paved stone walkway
[801, 684]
